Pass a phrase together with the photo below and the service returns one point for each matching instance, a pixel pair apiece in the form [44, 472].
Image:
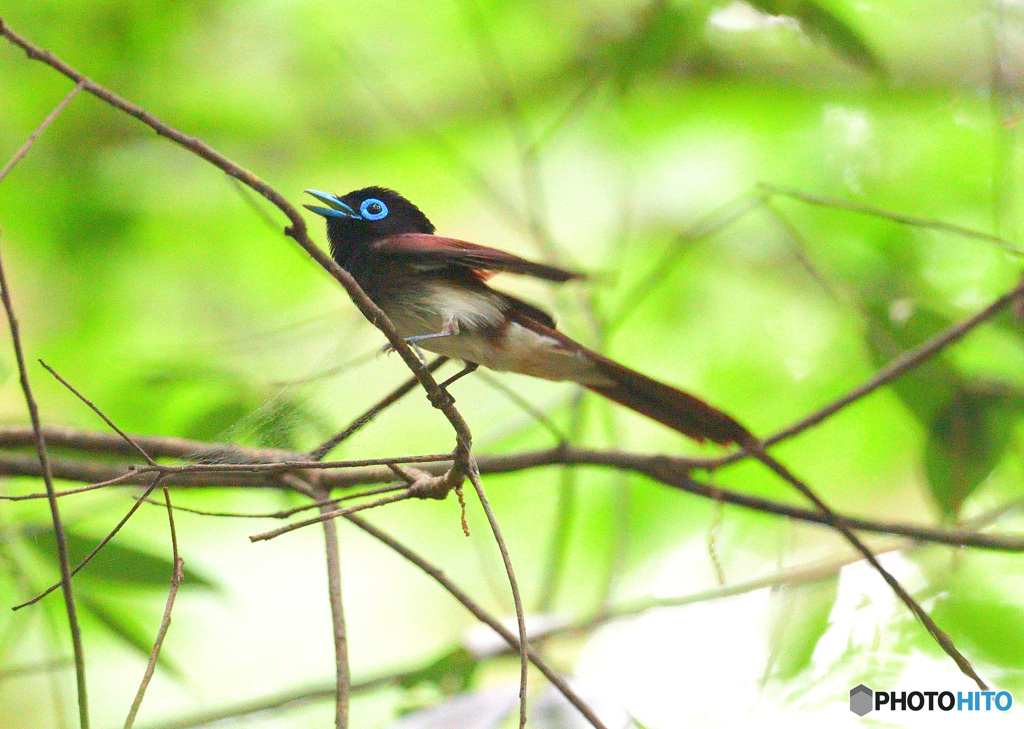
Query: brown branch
[517, 599]
[894, 370]
[438, 397]
[837, 522]
[51, 495]
[92, 406]
[670, 471]
[327, 514]
[343, 677]
[176, 576]
[292, 698]
[23, 149]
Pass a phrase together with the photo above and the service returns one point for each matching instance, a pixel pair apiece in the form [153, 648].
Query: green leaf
[117, 563]
[452, 673]
[984, 623]
[664, 36]
[966, 441]
[799, 619]
[824, 26]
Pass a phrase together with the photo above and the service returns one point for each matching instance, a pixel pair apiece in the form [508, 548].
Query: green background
[595, 134]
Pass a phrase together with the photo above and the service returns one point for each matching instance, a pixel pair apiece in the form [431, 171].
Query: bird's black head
[362, 216]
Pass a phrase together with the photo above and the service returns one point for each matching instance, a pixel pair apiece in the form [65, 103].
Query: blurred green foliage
[596, 132]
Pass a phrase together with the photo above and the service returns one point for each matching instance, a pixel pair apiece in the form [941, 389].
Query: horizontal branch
[668, 470]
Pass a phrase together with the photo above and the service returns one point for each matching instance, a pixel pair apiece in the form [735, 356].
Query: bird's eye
[373, 209]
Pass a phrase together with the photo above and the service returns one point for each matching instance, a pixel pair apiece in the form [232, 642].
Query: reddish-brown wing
[432, 251]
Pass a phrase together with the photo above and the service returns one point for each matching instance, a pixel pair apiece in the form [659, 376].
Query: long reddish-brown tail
[676, 409]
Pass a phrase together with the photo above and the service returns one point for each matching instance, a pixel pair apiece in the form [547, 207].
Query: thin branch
[524, 659]
[53, 664]
[668, 470]
[95, 409]
[343, 677]
[23, 150]
[58, 527]
[565, 514]
[894, 370]
[482, 615]
[911, 220]
[757, 451]
[283, 513]
[523, 404]
[327, 513]
[290, 699]
[705, 227]
[176, 576]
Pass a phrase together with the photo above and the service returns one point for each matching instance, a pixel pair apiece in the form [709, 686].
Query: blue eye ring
[373, 209]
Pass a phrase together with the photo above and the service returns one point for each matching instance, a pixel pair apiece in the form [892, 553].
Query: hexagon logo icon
[861, 699]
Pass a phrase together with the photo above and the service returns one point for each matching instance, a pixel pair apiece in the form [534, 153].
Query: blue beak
[337, 209]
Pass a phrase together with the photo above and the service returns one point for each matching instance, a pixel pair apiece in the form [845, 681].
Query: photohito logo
[864, 700]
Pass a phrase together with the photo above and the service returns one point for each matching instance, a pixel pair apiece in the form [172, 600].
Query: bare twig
[343, 677]
[290, 699]
[327, 513]
[53, 664]
[757, 451]
[523, 404]
[912, 220]
[894, 370]
[58, 527]
[23, 150]
[524, 659]
[707, 226]
[95, 409]
[565, 513]
[176, 576]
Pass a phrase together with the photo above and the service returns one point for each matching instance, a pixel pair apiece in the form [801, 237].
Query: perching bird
[435, 291]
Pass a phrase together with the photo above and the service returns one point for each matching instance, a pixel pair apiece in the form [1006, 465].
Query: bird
[436, 292]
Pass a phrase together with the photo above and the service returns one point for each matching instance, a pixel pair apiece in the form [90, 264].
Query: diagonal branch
[23, 149]
[438, 397]
[177, 575]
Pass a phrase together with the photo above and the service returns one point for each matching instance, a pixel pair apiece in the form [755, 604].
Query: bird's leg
[468, 369]
[450, 329]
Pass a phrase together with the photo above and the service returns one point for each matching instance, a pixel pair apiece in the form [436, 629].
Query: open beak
[337, 208]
